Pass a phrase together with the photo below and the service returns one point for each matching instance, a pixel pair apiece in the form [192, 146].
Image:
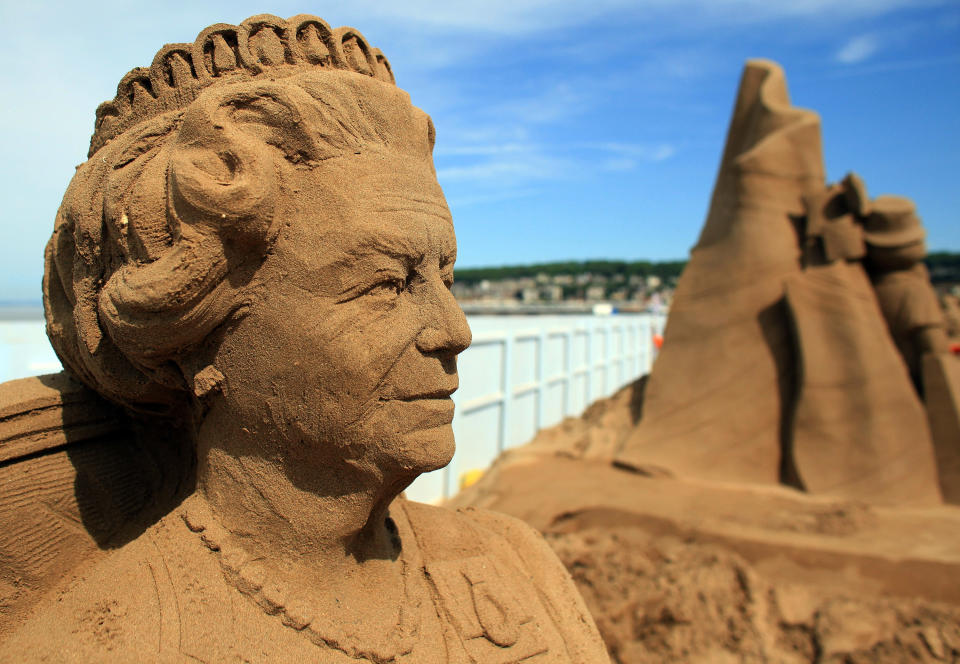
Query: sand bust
[257, 256]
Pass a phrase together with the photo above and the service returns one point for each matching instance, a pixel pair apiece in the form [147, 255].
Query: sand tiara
[262, 44]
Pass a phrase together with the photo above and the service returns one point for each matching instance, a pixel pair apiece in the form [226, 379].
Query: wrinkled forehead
[401, 199]
[374, 203]
[400, 186]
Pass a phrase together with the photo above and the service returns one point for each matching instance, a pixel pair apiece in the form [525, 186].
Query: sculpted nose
[447, 330]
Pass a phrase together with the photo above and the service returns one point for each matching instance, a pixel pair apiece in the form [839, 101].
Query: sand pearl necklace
[285, 601]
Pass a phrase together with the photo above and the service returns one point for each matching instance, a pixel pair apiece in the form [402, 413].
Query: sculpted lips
[419, 393]
[421, 409]
[436, 394]
[432, 394]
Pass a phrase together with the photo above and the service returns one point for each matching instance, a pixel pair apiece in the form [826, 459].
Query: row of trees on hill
[944, 267]
[662, 269]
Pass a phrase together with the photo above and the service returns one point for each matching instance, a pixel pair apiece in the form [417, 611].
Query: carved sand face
[349, 353]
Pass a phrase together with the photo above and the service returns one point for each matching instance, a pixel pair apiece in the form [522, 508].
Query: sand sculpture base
[784, 534]
[941, 377]
[693, 571]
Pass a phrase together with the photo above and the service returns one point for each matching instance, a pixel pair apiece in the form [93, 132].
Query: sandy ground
[682, 571]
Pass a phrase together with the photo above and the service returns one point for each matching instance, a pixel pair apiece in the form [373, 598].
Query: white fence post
[588, 387]
[506, 390]
[568, 374]
[541, 378]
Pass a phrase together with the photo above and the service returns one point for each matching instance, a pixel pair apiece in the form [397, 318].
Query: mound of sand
[667, 599]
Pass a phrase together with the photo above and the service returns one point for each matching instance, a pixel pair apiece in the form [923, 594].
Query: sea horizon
[21, 310]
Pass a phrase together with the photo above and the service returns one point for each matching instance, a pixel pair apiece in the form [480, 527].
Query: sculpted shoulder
[492, 550]
[448, 532]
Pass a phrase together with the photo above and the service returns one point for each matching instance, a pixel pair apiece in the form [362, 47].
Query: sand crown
[262, 45]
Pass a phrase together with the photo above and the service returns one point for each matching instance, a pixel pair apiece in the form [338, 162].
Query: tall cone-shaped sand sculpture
[770, 360]
[713, 402]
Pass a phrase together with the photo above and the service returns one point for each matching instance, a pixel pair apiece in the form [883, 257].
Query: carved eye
[388, 288]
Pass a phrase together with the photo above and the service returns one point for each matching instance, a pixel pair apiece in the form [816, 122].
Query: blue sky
[566, 130]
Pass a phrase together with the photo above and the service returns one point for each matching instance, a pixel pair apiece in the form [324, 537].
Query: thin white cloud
[479, 150]
[456, 133]
[858, 49]
[511, 165]
[652, 153]
[556, 102]
[493, 196]
[533, 16]
[521, 168]
[828, 10]
[619, 164]
[894, 66]
[663, 152]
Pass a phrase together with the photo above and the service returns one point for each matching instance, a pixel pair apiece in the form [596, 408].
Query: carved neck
[332, 611]
[333, 517]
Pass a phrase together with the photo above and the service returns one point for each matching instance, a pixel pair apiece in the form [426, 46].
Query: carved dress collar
[486, 608]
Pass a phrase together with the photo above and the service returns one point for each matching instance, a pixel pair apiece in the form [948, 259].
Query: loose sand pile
[660, 599]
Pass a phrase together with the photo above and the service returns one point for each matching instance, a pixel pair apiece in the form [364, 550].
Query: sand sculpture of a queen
[256, 259]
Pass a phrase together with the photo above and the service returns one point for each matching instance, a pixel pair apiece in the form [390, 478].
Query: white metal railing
[524, 373]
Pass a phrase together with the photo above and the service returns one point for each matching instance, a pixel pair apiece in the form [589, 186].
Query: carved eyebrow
[393, 245]
[448, 257]
[405, 203]
[442, 215]
[429, 200]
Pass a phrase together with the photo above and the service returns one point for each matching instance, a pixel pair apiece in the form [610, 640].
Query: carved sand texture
[859, 430]
[254, 264]
[795, 367]
[73, 475]
[41, 414]
[665, 599]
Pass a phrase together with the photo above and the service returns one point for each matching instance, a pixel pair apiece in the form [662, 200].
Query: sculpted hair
[164, 225]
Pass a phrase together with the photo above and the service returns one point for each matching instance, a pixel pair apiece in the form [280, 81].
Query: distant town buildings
[515, 287]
